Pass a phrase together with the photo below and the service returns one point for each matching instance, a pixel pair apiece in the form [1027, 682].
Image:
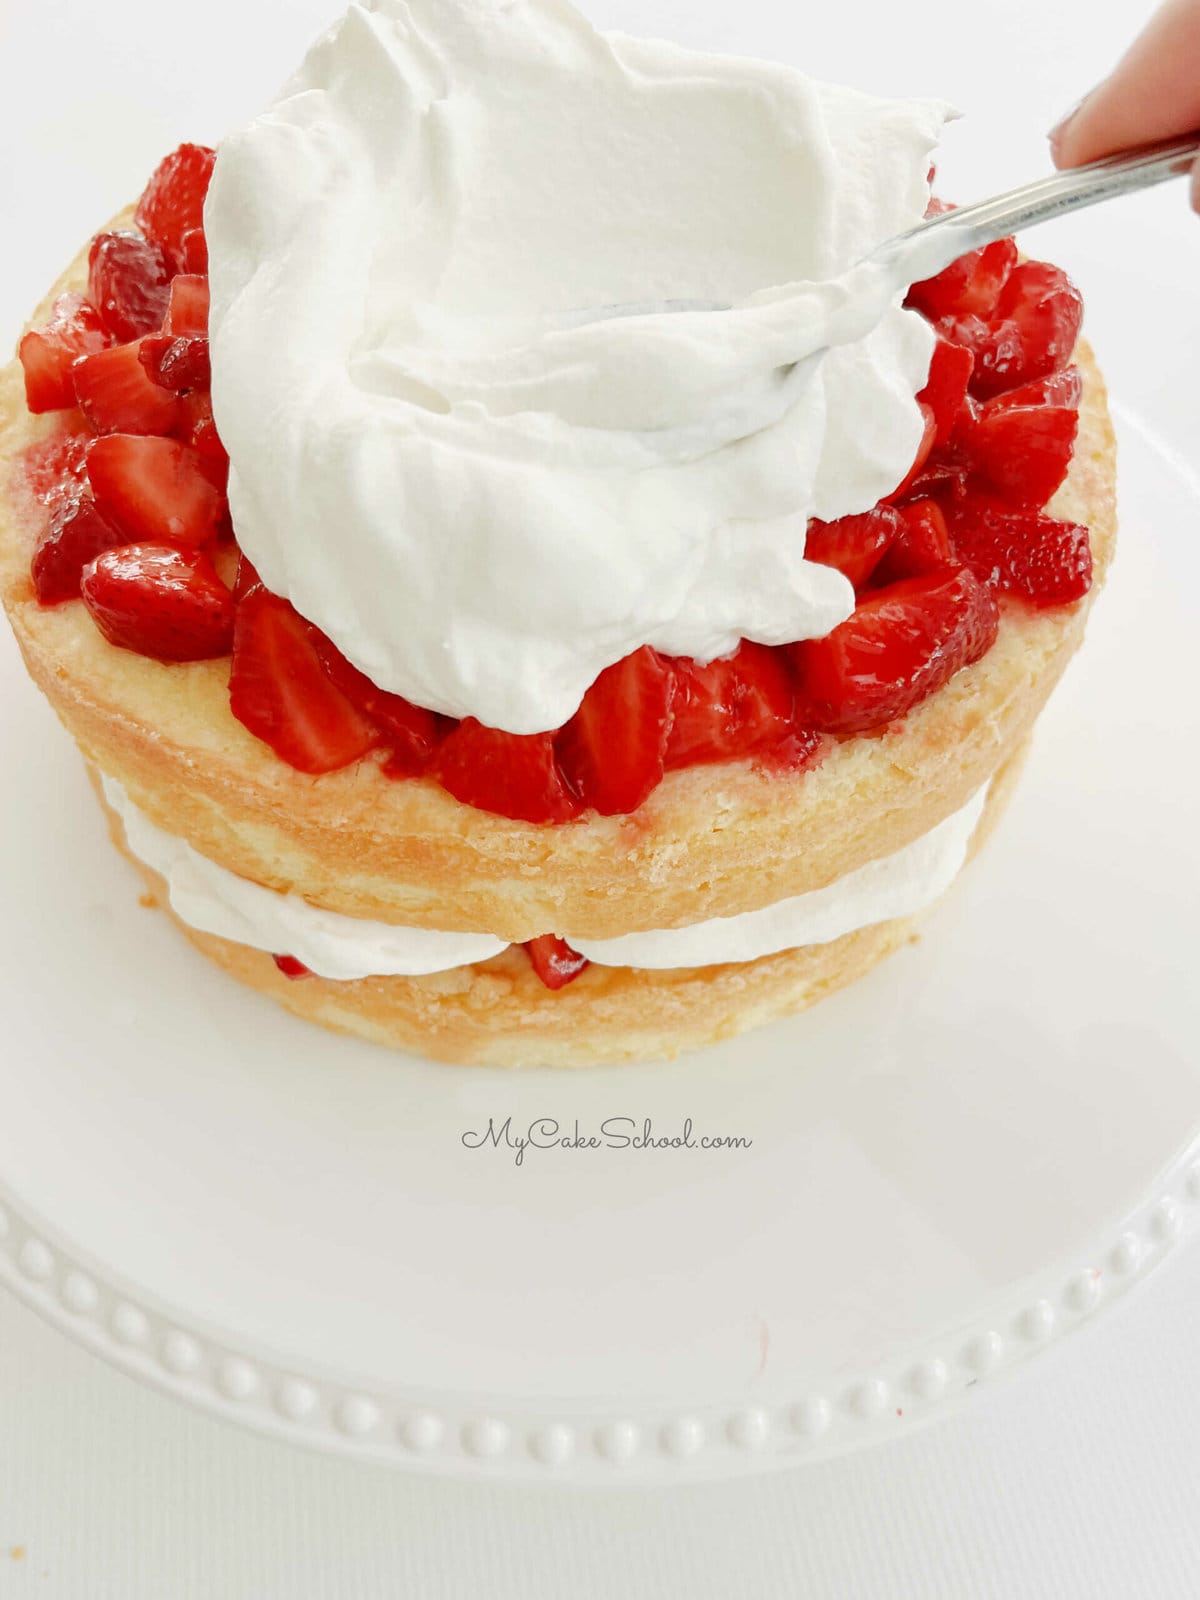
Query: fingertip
[1062, 135]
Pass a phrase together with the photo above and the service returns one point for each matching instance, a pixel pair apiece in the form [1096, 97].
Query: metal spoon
[930, 247]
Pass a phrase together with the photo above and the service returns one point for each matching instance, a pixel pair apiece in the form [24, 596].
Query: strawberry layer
[213, 900]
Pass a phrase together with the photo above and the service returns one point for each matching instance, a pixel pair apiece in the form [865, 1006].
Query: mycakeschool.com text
[614, 1133]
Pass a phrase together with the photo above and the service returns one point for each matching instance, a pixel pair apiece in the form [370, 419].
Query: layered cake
[514, 604]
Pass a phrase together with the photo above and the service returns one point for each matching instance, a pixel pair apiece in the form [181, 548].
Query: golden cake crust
[711, 841]
[500, 1014]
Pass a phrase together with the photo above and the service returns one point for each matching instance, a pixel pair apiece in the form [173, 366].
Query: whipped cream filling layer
[532, 345]
[214, 900]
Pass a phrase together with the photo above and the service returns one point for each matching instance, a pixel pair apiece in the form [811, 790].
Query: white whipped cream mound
[487, 429]
[214, 900]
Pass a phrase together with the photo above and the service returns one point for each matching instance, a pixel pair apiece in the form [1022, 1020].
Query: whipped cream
[215, 900]
[898, 885]
[532, 345]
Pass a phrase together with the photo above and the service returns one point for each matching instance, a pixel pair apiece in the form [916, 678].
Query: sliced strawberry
[514, 775]
[998, 348]
[740, 706]
[902, 643]
[176, 363]
[193, 257]
[555, 963]
[1032, 334]
[922, 546]
[48, 354]
[1024, 552]
[57, 464]
[943, 475]
[1048, 309]
[411, 753]
[160, 602]
[187, 309]
[197, 427]
[854, 545]
[173, 203]
[280, 691]
[612, 751]
[928, 439]
[945, 393]
[1059, 389]
[153, 488]
[1023, 452]
[291, 968]
[129, 283]
[247, 578]
[116, 395]
[412, 732]
[75, 534]
[970, 285]
[798, 749]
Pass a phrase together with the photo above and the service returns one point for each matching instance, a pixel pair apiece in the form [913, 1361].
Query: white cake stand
[969, 1155]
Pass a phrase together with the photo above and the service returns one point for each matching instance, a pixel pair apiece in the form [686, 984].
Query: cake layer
[710, 842]
[210, 899]
[500, 1013]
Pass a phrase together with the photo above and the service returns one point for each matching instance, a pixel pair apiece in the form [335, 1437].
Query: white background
[1081, 1479]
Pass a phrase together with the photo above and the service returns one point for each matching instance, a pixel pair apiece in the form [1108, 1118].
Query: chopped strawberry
[193, 257]
[291, 968]
[514, 775]
[160, 602]
[1023, 452]
[854, 545]
[129, 283]
[928, 439]
[740, 706]
[197, 427]
[945, 393]
[991, 343]
[153, 488]
[970, 285]
[75, 533]
[280, 691]
[798, 749]
[187, 309]
[613, 749]
[1048, 309]
[411, 732]
[48, 354]
[173, 203]
[1032, 334]
[923, 544]
[902, 643]
[1059, 389]
[1024, 552]
[176, 363]
[116, 394]
[555, 963]
[56, 464]
[943, 475]
[411, 753]
[247, 578]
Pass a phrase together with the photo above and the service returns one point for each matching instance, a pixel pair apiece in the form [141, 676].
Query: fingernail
[1059, 131]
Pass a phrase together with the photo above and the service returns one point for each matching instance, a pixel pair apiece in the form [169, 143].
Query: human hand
[1153, 93]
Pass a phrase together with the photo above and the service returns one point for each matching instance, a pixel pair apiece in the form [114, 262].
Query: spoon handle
[955, 232]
